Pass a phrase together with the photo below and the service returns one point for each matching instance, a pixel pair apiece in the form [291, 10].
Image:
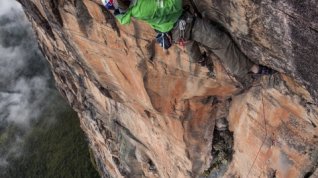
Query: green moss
[3, 137]
[222, 151]
[54, 148]
[8, 138]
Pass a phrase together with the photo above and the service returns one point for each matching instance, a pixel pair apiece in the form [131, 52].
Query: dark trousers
[219, 42]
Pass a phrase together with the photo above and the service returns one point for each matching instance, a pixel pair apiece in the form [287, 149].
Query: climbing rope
[265, 128]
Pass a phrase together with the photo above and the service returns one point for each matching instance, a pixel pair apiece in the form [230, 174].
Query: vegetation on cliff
[55, 149]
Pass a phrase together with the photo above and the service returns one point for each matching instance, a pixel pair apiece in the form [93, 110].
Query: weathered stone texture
[281, 34]
[148, 113]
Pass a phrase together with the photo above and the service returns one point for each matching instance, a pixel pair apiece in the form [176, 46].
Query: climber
[174, 25]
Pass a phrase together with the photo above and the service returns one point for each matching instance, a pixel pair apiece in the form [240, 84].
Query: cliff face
[148, 113]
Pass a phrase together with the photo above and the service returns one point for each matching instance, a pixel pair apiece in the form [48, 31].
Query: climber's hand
[164, 39]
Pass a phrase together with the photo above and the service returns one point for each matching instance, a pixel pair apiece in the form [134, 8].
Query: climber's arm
[123, 18]
[121, 11]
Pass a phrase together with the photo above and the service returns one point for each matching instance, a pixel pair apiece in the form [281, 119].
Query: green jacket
[160, 17]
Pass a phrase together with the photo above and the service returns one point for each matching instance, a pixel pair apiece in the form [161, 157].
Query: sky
[7, 5]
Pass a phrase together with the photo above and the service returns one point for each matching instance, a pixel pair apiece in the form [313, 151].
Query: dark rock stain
[54, 4]
[31, 8]
[84, 19]
[110, 19]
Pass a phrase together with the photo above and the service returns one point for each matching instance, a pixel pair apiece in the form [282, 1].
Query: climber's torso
[161, 15]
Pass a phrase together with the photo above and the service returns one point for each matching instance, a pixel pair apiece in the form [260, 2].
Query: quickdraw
[182, 43]
[182, 27]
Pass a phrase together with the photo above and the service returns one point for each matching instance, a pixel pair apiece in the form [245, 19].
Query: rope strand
[265, 127]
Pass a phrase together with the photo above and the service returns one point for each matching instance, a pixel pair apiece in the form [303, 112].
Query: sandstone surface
[151, 113]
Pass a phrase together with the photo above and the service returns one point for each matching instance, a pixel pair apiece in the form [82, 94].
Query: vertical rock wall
[148, 113]
[281, 34]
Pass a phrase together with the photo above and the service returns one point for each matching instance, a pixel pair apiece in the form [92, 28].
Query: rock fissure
[222, 150]
[55, 10]
[37, 17]
[83, 17]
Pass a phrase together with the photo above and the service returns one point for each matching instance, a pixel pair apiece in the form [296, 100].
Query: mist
[24, 77]
[40, 134]
[8, 5]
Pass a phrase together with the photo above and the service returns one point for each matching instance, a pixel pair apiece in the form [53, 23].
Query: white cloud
[21, 88]
[7, 5]
[24, 78]
[26, 102]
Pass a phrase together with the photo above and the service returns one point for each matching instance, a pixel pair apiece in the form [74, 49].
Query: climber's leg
[223, 46]
[182, 35]
[194, 51]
